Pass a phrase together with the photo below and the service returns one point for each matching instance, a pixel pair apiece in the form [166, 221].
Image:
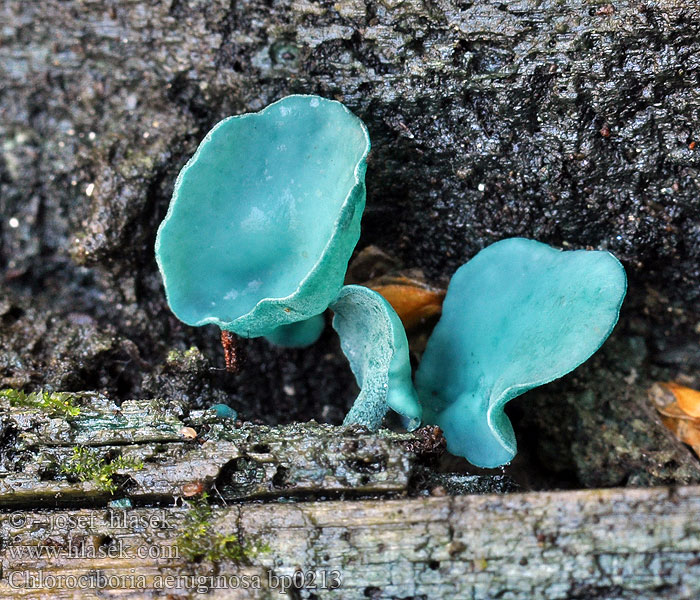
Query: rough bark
[183, 454]
[636, 544]
[568, 121]
[606, 544]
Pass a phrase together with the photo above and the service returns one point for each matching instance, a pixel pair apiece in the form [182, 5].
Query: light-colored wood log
[617, 543]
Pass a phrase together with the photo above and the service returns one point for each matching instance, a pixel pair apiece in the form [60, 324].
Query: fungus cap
[264, 217]
[517, 315]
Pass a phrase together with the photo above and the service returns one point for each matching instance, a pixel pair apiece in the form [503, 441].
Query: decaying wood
[241, 460]
[621, 543]
[567, 121]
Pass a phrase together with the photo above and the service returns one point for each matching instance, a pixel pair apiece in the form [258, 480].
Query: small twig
[231, 351]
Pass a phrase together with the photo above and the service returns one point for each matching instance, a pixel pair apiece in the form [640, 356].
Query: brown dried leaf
[688, 432]
[687, 398]
[666, 403]
[412, 299]
[369, 263]
[676, 404]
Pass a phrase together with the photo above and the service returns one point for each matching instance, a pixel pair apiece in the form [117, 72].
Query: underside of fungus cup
[374, 342]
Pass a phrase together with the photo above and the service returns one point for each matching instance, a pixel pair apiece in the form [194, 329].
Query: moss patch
[86, 464]
[58, 403]
[198, 541]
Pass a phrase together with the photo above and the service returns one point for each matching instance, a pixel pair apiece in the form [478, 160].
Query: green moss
[86, 464]
[198, 540]
[192, 353]
[191, 359]
[59, 403]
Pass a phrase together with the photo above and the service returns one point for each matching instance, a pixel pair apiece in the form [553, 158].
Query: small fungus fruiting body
[374, 342]
[224, 411]
[264, 218]
[518, 315]
[298, 335]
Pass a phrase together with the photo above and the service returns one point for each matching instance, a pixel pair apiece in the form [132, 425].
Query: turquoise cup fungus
[518, 315]
[264, 218]
[374, 342]
[257, 238]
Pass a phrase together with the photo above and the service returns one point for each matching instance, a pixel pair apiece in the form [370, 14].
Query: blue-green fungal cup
[264, 218]
[257, 238]
[518, 315]
[374, 342]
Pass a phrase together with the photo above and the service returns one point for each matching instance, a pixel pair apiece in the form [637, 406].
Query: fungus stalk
[298, 335]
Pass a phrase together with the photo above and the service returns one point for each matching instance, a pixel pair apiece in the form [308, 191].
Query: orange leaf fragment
[680, 411]
[413, 300]
[665, 402]
[676, 401]
[193, 488]
[188, 432]
[685, 431]
[687, 398]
